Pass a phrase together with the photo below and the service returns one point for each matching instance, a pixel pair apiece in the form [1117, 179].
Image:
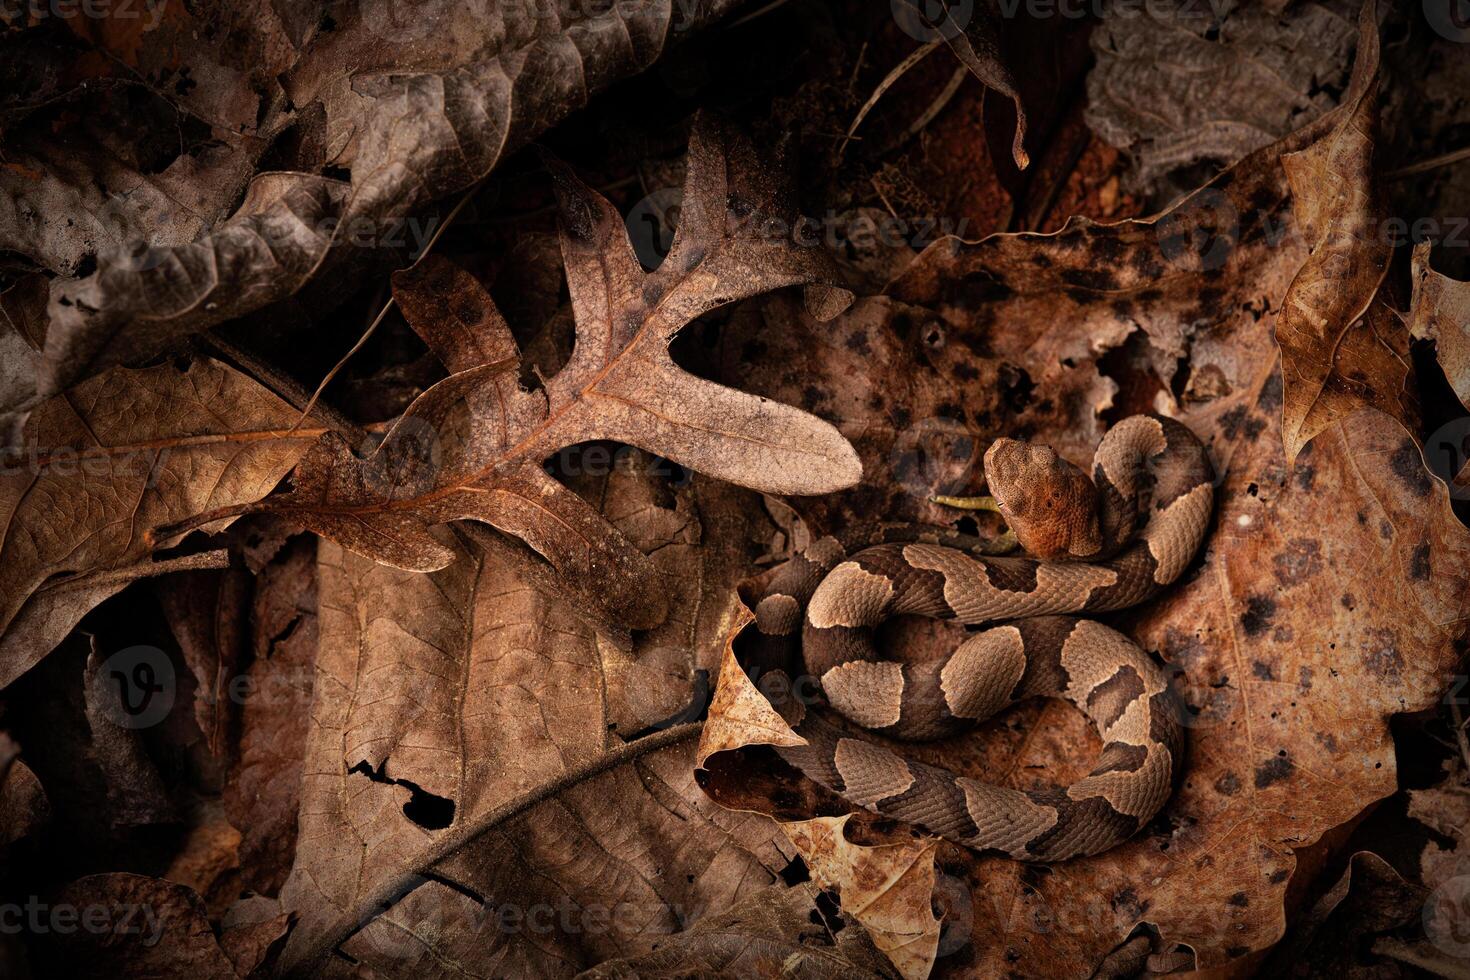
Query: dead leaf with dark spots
[1289, 685]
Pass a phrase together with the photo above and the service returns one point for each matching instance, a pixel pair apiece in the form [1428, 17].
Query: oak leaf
[473, 446]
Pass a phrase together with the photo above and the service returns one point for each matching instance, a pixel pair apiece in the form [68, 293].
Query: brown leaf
[1369, 899]
[781, 931]
[23, 805]
[128, 925]
[419, 105]
[473, 445]
[1341, 347]
[1197, 85]
[1440, 311]
[462, 691]
[887, 888]
[52, 611]
[263, 786]
[206, 612]
[918, 397]
[104, 464]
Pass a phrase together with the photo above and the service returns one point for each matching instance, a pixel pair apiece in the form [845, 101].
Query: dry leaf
[473, 445]
[887, 888]
[414, 121]
[128, 925]
[779, 932]
[1440, 311]
[1182, 84]
[104, 464]
[1341, 347]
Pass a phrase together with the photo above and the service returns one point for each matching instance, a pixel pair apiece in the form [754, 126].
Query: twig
[287, 387]
[433, 240]
[1433, 163]
[759, 12]
[382, 897]
[1458, 724]
[935, 108]
[899, 70]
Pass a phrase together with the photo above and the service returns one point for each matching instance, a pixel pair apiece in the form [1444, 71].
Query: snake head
[1050, 504]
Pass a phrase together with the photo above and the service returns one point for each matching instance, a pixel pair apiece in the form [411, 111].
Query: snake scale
[1094, 546]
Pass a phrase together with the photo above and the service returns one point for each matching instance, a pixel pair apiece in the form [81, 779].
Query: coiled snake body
[1088, 555]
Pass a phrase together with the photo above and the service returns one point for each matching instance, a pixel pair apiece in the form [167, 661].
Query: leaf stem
[381, 898]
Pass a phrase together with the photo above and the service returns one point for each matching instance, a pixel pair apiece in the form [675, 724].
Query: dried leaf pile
[383, 495]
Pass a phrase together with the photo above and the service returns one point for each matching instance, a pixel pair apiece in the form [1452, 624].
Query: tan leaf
[1440, 311]
[104, 464]
[887, 888]
[780, 931]
[1341, 347]
[473, 445]
[467, 691]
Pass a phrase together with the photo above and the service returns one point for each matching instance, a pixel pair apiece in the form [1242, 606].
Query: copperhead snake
[1088, 554]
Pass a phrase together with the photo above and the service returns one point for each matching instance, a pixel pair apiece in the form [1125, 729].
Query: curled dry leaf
[1440, 311]
[418, 104]
[103, 465]
[1330, 597]
[1342, 346]
[473, 446]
